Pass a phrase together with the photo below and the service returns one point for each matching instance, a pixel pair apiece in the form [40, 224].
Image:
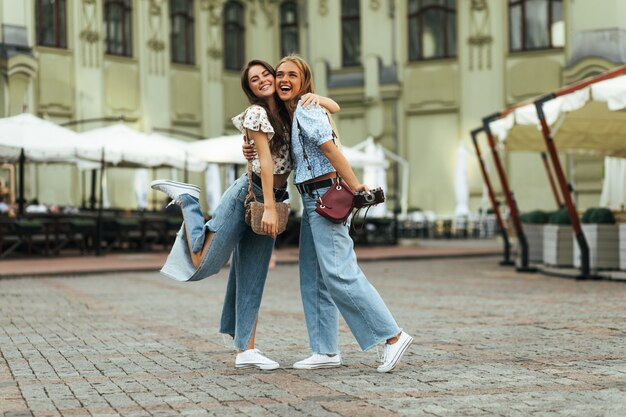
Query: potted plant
[533, 228]
[602, 235]
[557, 240]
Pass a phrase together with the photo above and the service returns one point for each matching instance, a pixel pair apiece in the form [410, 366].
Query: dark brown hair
[281, 121]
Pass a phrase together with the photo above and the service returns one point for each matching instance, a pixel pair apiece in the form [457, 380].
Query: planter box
[534, 235]
[622, 246]
[603, 243]
[557, 245]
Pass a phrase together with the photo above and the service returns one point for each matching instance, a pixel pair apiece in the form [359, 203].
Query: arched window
[289, 40]
[234, 29]
[432, 29]
[182, 39]
[536, 24]
[118, 27]
[51, 23]
[350, 33]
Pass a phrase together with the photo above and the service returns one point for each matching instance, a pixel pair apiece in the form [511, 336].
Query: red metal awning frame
[566, 188]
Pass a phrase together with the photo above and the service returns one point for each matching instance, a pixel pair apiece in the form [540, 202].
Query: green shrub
[598, 215]
[560, 217]
[535, 217]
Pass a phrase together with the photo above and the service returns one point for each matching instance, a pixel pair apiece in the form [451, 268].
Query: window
[432, 29]
[182, 42]
[289, 41]
[536, 24]
[50, 15]
[118, 27]
[350, 33]
[234, 29]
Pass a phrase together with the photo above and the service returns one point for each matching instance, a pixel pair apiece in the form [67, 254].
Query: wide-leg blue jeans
[331, 282]
[250, 256]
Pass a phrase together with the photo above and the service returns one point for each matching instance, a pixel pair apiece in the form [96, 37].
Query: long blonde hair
[307, 78]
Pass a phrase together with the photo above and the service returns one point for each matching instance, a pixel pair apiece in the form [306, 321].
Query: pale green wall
[426, 115]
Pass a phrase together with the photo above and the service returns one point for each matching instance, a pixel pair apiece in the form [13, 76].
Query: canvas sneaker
[173, 189]
[254, 358]
[393, 353]
[317, 361]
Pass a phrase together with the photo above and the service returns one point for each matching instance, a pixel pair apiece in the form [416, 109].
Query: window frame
[188, 18]
[419, 16]
[60, 41]
[127, 38]
[240, 30]
[351, 18]
[293, 26]
[522, 4]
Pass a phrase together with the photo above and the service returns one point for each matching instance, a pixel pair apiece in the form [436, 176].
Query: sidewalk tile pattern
[488, 342]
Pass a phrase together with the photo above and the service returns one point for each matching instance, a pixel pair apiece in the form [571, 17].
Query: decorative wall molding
[213, 9]
[267, 7]
[480, 39]
[90, 36]
[156, 45]
[322, 7]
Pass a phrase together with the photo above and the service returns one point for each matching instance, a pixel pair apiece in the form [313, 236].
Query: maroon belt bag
[336, 204]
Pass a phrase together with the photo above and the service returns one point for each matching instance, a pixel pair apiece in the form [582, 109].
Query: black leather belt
[278, 192]
[310, 186]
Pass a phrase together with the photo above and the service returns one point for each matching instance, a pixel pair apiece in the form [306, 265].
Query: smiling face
[288, 80]
[261, 81]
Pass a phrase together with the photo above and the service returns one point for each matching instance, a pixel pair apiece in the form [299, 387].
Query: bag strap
[306, 156]
[251, 195]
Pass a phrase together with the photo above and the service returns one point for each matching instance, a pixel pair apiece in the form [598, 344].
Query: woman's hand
[362, 187]
[269, 222]
[310, 100]
[249, 152]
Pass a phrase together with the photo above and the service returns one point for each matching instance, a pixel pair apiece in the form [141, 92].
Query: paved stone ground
[488, 342]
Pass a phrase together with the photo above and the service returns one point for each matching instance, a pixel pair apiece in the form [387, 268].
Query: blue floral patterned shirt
[316, 131]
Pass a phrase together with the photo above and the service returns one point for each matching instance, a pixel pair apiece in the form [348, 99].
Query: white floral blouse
[255, 118]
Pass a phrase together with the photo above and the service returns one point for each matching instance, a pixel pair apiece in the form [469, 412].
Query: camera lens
[369, 198]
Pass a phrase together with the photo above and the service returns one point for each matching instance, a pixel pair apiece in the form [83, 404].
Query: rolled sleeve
[315, 124]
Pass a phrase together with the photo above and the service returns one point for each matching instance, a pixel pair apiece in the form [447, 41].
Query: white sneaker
[173, 189]
[317, 361]
[254, 358]
[393, 353]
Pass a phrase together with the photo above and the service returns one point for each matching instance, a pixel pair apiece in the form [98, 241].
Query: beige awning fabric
[591, 120]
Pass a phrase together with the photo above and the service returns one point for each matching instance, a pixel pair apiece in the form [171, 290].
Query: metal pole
[510, 198]
[92, 198]
[494, 202]
[21, 200]
[566, 189]
[555, 192]
[99, 221]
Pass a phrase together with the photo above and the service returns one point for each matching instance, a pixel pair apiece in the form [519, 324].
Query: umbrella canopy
[128, 147]
[227, 150]
[42, 140]
[590, 120]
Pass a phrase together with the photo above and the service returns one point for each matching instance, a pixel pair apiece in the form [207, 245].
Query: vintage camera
[362, 199]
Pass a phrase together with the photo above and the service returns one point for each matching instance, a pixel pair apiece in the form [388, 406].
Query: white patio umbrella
[227, 150]
[125, 146]
[28, 138]
[41, 140]
[375, 176]
[461, 182]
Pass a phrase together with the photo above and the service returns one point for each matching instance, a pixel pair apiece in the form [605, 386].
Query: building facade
[416, 75]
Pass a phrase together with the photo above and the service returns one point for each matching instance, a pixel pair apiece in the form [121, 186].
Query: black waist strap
[310, 186]
[278, 192]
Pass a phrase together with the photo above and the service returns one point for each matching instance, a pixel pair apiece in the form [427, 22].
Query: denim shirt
[316, 131]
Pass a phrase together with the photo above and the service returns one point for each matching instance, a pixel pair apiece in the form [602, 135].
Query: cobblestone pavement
[488, 342]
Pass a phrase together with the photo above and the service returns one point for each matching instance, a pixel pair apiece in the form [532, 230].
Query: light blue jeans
[250, 261]
[332, 282]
